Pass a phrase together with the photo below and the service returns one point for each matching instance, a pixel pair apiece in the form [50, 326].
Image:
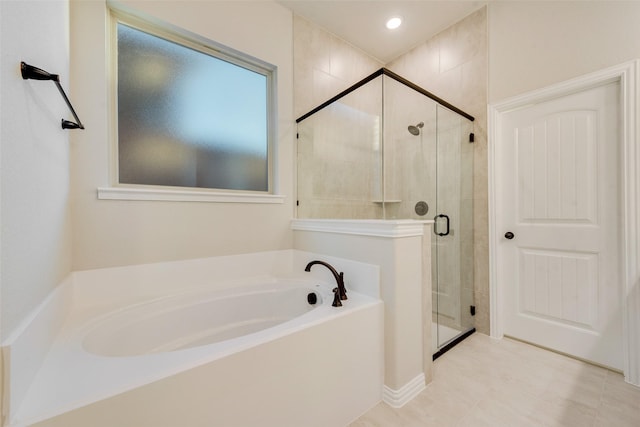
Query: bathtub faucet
[339, 277]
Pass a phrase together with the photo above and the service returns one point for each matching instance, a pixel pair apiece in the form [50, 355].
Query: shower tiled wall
[324, 65]
[339, 158]
[453, 66]
[340, 175]
[410, 160]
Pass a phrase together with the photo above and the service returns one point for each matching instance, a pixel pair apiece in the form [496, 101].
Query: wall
[340, 159]
[325, 65]
[535, 44]
[35, 219]
[109, 232]
[453, 66]
[398, 248]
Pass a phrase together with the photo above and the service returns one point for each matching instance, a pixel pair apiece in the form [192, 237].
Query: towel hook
[31, 72]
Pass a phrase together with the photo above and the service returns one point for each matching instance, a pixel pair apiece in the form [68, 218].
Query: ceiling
[362, 22]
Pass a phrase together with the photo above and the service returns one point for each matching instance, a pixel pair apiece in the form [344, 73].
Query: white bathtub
[245, 352]
[200, 318]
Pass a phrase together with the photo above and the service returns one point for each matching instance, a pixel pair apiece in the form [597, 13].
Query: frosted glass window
[187, 118]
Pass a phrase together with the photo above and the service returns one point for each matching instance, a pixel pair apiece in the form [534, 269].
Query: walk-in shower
[387, 149]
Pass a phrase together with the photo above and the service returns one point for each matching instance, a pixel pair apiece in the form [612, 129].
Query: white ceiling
[362, 22]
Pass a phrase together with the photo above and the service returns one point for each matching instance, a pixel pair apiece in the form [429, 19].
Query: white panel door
[557, 193]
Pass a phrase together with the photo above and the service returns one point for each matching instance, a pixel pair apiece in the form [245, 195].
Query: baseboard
[398, 398]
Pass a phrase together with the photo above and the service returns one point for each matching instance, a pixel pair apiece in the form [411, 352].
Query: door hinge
[472, 310]
[472, 137]
[297, 135]
[297, 202]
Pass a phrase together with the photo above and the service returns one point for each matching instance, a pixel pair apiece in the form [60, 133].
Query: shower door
[452, 257]
[428, 174]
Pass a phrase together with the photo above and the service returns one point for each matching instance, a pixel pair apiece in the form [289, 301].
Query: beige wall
[325, 65]
[35, 220]
[401, 283]
[535, 44]
[110, 233]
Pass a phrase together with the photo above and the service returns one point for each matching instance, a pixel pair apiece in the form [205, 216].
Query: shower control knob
[509, 235]
[421, 208]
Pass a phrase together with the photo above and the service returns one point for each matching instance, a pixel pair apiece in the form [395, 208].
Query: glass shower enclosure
[388, 149]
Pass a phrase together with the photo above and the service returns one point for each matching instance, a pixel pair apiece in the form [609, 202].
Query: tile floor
[486, 382]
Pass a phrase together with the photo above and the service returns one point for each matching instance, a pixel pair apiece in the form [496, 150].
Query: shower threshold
[454, 341]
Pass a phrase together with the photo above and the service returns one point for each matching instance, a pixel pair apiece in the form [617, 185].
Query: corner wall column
[402, 249]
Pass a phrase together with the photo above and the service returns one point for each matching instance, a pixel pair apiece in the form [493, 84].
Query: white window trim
[118, 191]
[177, 195]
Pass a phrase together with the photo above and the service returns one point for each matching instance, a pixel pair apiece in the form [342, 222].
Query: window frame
[124, 191]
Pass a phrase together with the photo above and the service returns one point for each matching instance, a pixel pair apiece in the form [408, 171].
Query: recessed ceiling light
[394, 23]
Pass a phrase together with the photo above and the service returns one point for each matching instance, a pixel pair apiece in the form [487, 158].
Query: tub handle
[336, 298]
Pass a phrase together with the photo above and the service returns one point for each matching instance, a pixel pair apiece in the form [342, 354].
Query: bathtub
[201, 318]
[258, 351]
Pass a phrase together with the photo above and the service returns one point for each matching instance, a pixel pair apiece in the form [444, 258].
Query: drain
[312, 298]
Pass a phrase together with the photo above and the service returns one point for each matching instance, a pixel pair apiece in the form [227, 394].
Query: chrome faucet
[338, 276]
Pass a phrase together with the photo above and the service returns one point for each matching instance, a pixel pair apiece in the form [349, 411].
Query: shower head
[415, 130]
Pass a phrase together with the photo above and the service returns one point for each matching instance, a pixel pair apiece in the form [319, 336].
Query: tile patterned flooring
[485, 382]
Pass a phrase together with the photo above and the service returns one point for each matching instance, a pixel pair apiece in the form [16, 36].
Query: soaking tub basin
[199, 318]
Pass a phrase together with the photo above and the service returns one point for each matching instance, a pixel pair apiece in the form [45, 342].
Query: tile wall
[324, 65]
[339, 158]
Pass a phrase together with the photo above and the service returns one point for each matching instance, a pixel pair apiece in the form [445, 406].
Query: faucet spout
[338, 276]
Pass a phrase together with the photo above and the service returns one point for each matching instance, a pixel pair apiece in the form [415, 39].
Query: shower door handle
[446, 233]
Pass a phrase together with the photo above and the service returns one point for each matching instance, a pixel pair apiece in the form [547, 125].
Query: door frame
[627, 74]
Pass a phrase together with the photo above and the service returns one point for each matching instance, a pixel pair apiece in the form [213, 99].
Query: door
[452, 249]
[557, 210]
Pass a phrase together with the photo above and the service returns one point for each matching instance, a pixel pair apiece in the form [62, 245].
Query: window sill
[125, 193]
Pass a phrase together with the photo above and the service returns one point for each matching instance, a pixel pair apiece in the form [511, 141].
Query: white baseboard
[398, 398]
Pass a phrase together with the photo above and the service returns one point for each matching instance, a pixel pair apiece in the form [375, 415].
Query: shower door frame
[440, 290]
[389, 73]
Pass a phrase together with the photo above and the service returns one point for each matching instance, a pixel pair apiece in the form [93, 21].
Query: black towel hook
[31, 72]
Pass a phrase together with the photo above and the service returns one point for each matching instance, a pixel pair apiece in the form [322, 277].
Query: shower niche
[388, 149]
